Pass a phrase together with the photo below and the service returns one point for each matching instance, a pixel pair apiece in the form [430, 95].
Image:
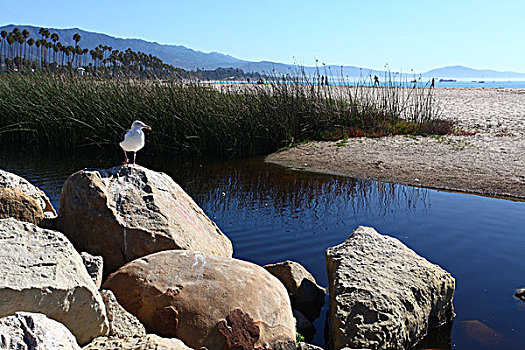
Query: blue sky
[406, 34]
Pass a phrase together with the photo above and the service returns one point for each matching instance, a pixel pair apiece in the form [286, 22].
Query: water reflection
[272, 214]
[251, 183]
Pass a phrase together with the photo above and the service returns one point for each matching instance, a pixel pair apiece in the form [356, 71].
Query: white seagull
[134, 139]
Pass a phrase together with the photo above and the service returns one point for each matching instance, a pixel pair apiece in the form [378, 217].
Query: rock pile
[174, 284]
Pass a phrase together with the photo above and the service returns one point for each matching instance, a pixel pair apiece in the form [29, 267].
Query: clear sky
[406, 34]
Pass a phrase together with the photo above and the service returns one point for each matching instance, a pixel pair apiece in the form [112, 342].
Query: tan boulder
[382, 294]
[18, 205]
[10, 180]
[306, 295]
[146, 342]
[205, 300]
[122, 324]
[127, 212]
[41, 272]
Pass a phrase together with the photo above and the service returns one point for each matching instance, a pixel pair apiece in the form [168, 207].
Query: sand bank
[491, 162]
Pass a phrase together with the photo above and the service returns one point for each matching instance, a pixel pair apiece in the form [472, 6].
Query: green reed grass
[64, 112]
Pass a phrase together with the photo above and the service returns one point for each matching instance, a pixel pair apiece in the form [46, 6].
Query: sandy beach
[490, 162]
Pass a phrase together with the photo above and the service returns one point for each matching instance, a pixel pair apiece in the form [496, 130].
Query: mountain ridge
[191, 59]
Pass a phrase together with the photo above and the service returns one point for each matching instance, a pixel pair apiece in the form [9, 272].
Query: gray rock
[10, 180]
[306, 346]
[295, 346]
[303, 325]
[147, 342]
[127, 212]
[382, 294]
[122, 324]
[29, 331]
[306, 295]
[41, 272]
[93, 266]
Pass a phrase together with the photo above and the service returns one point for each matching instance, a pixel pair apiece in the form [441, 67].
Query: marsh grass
[64, 112]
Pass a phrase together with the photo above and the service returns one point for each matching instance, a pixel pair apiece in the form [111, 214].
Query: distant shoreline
[487, 159]
[494, 85]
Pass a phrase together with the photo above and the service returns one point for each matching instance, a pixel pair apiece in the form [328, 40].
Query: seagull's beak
[146, 127]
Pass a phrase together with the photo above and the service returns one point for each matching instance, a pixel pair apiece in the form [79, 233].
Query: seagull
[134, 139]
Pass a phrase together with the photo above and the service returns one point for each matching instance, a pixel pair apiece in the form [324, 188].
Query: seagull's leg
[126, 161]
[134, 156]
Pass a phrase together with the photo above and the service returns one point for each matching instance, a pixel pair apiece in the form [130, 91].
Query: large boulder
[306, 295]
[205, 300]
[10, 180]
[127, 212]
[41, 272]
[382, 294]
[29, 331]
[122, 324]
[147, 342]
[18, 205]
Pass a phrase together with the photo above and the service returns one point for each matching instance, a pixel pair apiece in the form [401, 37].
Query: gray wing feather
[123, 136]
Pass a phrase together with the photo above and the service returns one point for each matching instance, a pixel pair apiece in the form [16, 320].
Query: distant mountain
[465, 73]
[177, 55]
[183, 57]
[186, 58]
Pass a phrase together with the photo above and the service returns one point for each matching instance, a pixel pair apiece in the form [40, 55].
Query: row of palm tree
[19, 52]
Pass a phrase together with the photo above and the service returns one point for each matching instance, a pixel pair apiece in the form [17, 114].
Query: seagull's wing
[123, 136]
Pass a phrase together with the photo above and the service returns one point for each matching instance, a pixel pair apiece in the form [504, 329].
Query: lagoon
[272, 214]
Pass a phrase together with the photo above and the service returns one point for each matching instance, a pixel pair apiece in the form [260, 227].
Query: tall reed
[60, 112]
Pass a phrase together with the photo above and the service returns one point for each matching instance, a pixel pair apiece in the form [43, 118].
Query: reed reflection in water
[273, 214]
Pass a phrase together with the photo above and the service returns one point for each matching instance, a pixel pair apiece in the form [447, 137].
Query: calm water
[272, 214]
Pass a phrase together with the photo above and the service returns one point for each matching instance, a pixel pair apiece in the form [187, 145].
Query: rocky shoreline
[131, 262]
[484, 157]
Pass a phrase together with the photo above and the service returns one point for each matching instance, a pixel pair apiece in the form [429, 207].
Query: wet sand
[491, 162]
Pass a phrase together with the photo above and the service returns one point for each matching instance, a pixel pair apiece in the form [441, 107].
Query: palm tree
[45, 33]
[77, 38]
[63, 49]
[56, 48]
[30, 42]
[76, 50]
[38, 44]
[10, 40]
[42, 32]
[54, 38]
[21, 39]
[3, 34]
[49, 45]
[25, 34]
[84, 52]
